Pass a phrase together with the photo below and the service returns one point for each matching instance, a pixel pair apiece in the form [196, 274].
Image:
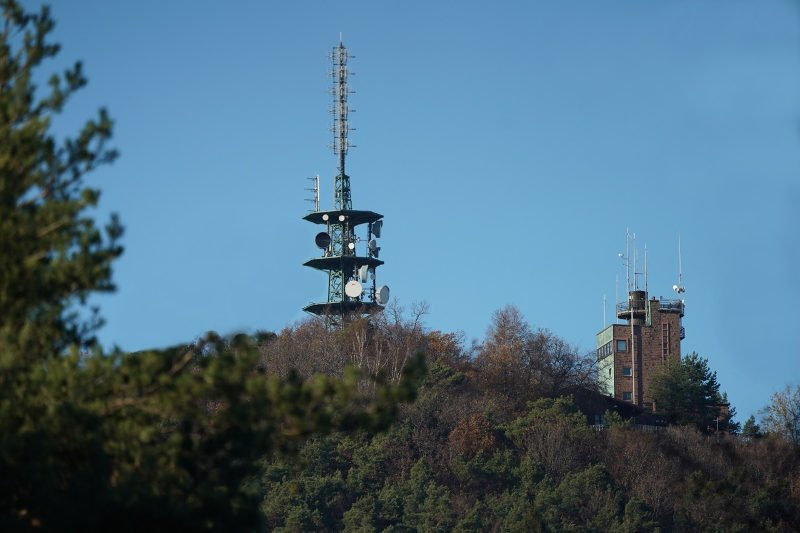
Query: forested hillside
[384, 424]
[492, 444]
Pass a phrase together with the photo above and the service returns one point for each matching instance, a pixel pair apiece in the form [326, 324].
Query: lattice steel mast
[346, 269]
[341, 187]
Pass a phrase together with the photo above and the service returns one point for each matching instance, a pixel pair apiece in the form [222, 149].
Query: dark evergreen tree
[688, 393]
[751, 429]
[158, 440]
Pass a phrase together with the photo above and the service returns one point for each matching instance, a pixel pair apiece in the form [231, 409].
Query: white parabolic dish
[353, 289]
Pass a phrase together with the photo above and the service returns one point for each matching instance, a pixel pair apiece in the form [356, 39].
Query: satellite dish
[325, 217]
[373, 245]
[351, 245]
[382, 294]
[376, 228]
[323, 240]
[353, 289]
[362, 273]
[341, 218]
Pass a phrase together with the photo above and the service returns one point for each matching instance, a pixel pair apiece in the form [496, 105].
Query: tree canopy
[161, 439]
[308, 428]
[782, 416]
[688, 393]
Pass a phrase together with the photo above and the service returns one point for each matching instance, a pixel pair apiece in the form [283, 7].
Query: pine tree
[689, 393]
[156, 440]
[52, 254]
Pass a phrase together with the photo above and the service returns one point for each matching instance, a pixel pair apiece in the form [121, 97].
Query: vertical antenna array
[341, 123]
[314, 190]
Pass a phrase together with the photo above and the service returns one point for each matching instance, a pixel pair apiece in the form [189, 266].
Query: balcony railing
[664, 305]
[671, 305]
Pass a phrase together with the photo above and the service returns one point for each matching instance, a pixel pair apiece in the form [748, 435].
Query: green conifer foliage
[52, 254]
[158, 440]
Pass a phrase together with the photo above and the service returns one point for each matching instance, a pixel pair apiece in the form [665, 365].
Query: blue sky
[508, 146]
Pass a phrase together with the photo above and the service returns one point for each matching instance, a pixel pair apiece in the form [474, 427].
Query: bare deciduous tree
[782, 416]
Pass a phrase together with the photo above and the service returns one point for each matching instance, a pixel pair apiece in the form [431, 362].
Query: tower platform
[343, 308]
[354, 217]
[342, 262]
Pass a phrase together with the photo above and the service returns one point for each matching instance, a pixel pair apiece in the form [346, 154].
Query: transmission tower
[352, 285]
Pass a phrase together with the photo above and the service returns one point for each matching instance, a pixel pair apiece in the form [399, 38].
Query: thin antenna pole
[680, 265]
[645, 268]
[605, 322]
[616, 294]
[627, 260]
[635, 253]
[633, 359]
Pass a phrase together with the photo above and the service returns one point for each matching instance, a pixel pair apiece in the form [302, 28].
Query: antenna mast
[349, 271]
[679, 288]
[314, 189]
[627, 259]
[341, 124]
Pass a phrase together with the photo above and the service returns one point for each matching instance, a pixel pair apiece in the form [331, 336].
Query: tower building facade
[630, 354]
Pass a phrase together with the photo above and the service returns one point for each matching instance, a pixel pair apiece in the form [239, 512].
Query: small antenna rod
[680, 265]
[645, 268]
[627, 260]
[635, 254]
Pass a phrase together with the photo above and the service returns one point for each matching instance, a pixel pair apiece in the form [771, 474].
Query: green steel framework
[339, 259]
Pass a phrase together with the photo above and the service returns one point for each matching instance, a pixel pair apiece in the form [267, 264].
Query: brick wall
[650, 356]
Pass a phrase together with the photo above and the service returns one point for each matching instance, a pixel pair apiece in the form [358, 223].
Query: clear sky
[508, 144]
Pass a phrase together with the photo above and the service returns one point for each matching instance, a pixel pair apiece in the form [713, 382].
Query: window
[626, 371]
[605, 350]
[626, 396]
[622, 345]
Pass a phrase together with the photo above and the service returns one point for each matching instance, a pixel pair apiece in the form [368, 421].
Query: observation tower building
[629, 354]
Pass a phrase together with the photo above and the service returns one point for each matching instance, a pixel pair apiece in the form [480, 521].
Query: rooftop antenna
[635, 257]
[645, 268]
[627, 259]
[605, 322]
[679, 288]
